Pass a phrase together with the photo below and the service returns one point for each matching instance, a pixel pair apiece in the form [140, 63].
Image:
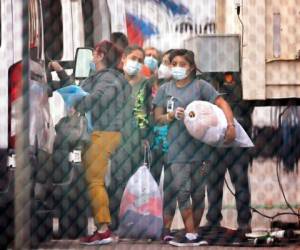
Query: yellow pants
[95, 161]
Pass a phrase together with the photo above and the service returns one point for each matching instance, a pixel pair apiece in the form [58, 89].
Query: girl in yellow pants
[96, 160]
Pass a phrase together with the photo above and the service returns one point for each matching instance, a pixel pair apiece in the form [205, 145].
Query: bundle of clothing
[207, 123]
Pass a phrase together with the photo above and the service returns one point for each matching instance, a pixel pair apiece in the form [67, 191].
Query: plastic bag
[71, 94]
[73, 129]
[141, 207]
[207, 123]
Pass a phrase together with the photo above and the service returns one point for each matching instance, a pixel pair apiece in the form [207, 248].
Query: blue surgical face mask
[132, 67]
[92, 67]
[179, 73]
[151, 62]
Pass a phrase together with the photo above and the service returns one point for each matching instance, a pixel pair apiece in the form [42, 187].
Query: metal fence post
[23, 185]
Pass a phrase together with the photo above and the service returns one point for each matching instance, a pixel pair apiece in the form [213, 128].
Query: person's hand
[179, 113]
[71, 110]
[145, 144]
[54, 65]
[170, 116]
[230, 134]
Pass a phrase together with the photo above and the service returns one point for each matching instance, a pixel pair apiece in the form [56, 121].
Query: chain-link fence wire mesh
[60, 194]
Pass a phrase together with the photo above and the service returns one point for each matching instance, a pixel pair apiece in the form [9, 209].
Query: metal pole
[23, 180]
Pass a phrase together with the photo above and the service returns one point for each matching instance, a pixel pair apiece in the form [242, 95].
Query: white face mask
[132, 67]
[179, 73]
[164, 72]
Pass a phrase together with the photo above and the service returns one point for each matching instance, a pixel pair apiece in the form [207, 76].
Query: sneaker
[166, 235]
[242, 232]
[246, 229]
[97, 238]
[185, 242]
[212, 224]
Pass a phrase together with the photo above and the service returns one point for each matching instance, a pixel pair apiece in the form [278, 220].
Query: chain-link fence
[76, 166]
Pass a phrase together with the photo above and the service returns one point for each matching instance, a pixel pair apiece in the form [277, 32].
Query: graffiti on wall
[148, 22]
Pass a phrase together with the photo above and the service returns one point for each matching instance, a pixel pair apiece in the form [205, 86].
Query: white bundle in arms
[207, 123]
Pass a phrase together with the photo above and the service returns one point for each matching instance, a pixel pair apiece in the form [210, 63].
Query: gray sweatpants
[184, 181]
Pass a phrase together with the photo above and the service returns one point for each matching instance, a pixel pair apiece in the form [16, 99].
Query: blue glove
[72, 94]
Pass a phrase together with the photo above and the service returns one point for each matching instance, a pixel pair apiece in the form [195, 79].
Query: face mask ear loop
[197, 69]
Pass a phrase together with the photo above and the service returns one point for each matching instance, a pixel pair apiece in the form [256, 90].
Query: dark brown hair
[132, 48]
[168, 52]
[119, 39]
[188, 55]
[112, 54]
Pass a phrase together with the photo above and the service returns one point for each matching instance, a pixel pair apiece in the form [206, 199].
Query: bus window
[53, 29]
[0, 25]
[35, 35]
[87, 9]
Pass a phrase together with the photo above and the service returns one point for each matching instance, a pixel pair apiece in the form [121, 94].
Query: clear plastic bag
[141, 207]
[207, 123]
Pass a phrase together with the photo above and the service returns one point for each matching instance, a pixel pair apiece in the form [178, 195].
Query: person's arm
[146, 132]
[230, 132]
[161, 117]
[64, 78]
[103, 93]
[160, 114]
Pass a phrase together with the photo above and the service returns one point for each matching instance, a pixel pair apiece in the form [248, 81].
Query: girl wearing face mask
[159, 145]
[186, 155]
[108, 94]
[135, 131]
[159, 148]
[151, 61]
[164, 70]
[141, 104]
